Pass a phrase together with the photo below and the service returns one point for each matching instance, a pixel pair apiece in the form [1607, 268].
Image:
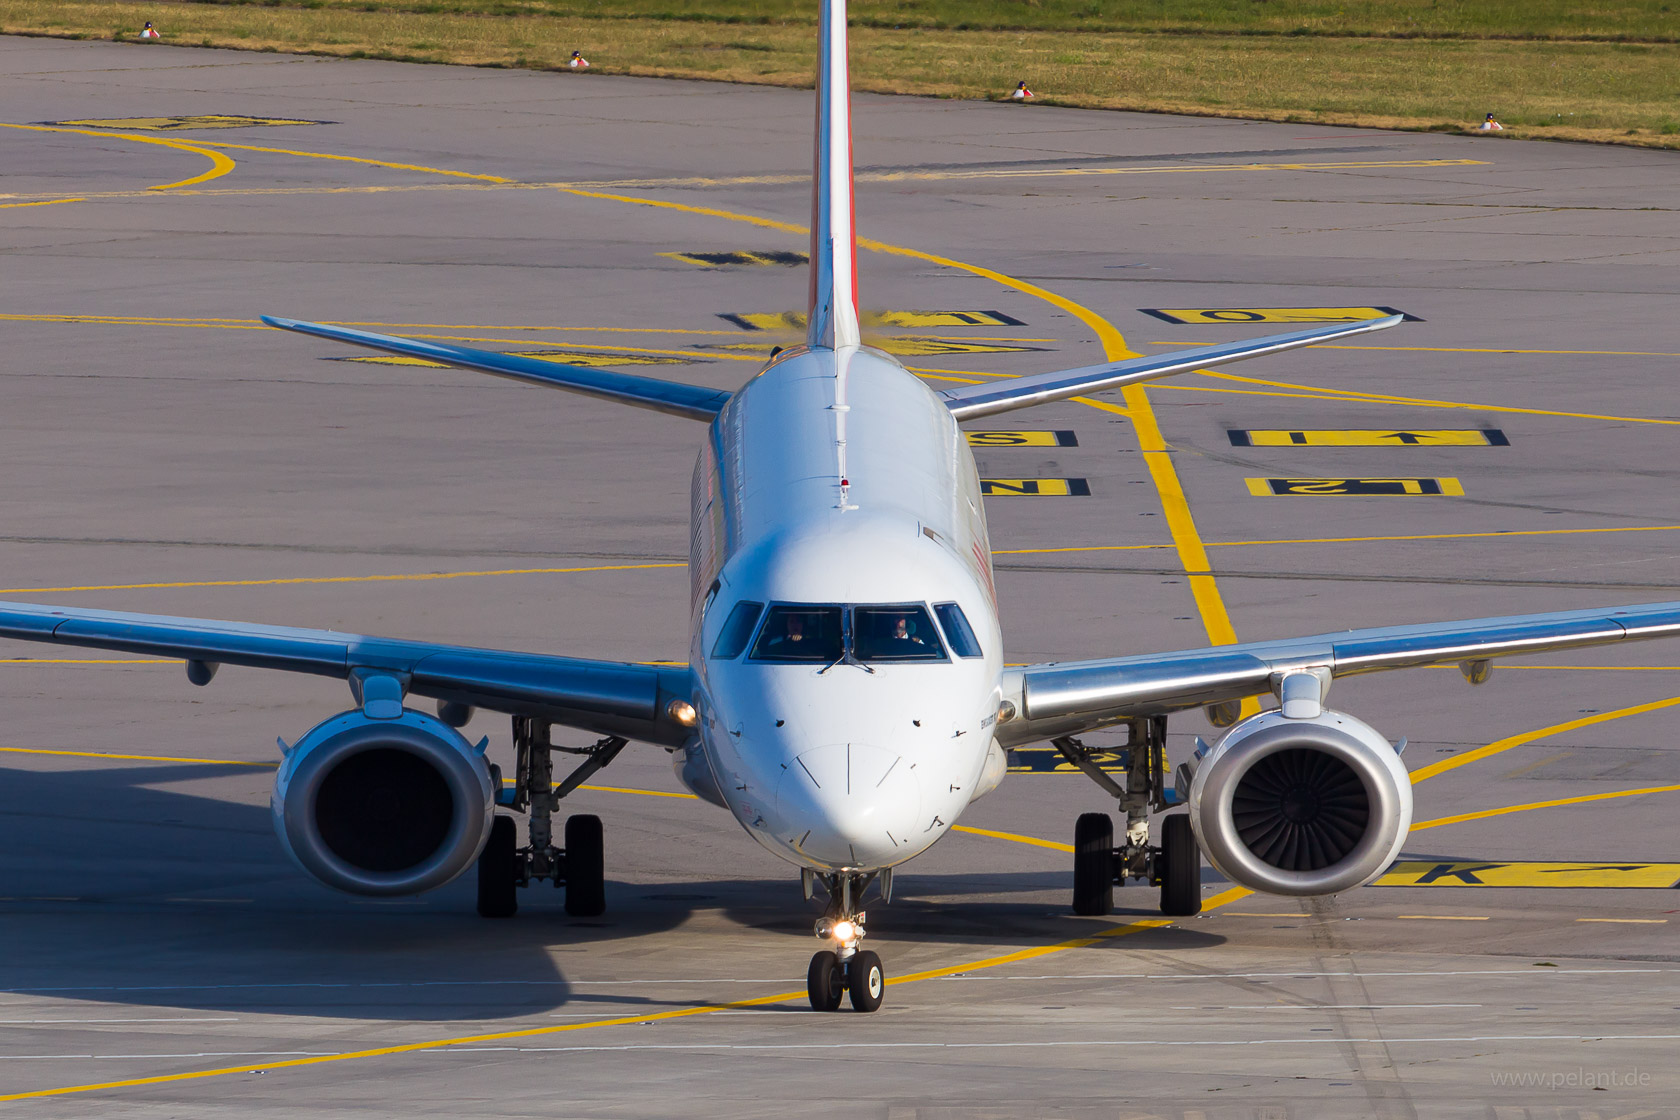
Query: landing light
[682, 712]
[844, 931]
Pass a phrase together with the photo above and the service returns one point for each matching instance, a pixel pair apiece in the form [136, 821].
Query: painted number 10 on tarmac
[1355, 487]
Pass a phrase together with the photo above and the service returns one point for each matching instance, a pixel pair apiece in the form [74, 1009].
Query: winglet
[833, 307]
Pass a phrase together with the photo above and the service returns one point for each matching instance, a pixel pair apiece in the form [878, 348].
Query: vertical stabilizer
[833, 310]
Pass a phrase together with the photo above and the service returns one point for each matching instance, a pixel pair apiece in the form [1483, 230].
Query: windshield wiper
[846, 657]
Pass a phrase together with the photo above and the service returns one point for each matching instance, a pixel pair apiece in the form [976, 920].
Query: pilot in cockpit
[903, 636]
[793, 632]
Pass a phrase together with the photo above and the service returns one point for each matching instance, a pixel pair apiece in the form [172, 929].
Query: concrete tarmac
[163, 452]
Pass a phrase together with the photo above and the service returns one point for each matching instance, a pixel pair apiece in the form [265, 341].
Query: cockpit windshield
[855, 635]
[895, 633]
[800, 633]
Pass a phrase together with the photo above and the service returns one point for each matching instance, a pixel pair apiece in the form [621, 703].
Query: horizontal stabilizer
[694, 402]
[973, 401]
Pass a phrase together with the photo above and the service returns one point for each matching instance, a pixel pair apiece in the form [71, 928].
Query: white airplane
[846, 697]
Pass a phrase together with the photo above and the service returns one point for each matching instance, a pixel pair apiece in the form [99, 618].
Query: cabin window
[737, 629]
[957, 630]
[895, 633]
[800, 633]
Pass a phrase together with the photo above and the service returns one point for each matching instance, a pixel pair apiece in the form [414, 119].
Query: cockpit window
[957, 630]
[737, 631]
[901, 633]
[799, 633]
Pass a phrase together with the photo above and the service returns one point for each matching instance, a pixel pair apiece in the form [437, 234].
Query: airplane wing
[1066, 698]
[973, 401]
[693, 402]
[605, 697]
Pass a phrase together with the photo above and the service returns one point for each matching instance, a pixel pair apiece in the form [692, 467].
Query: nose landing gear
[844, 969]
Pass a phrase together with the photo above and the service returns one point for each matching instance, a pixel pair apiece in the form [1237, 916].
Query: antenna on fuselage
[833, 305]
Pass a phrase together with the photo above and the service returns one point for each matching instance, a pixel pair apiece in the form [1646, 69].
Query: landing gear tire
[586, 875]
[866, 981]
[1093, 864]
[1181, 867]
[825, 982]
[498, 871]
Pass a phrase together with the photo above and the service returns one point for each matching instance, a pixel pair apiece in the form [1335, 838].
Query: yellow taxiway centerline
[220, 164]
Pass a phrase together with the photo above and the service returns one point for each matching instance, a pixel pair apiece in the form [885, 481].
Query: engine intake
[1301, 806]
[383, 806]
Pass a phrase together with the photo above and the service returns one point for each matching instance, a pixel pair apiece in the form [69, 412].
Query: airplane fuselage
[844, 718]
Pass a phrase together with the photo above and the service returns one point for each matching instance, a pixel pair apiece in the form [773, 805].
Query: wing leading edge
[606, 697]
[1066, 698]
[692, 402]
[974, 401]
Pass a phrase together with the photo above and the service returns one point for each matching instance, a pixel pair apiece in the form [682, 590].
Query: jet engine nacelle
[383, 806]
[1301, 806]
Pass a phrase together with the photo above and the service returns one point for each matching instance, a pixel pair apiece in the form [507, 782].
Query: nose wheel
[845, 970]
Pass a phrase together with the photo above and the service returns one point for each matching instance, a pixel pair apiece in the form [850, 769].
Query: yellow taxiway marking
[139, 757]
[1354, 487]
[219, 164]
[1507, 810]
[1014, 836]
[44, 202]
[1528, 873]
[1032, 173]
[1349, 540]
[1203, 315]
[1628, 921]
[1367, 437]
[1426, 402]
[1442, 917]
[1501, 745]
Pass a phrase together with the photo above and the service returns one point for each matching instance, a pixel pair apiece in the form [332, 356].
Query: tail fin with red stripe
[833, 309]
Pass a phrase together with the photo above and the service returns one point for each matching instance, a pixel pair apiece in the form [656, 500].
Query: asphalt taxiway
[163, 452]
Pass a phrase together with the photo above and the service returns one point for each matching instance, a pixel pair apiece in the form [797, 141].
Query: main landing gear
[580, 866]
[1098, 864]
[845, 970]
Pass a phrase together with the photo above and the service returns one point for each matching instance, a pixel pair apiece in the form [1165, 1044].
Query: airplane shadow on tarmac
[116, 889]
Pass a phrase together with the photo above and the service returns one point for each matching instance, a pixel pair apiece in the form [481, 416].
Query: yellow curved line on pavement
[45, 202]
[219, 164]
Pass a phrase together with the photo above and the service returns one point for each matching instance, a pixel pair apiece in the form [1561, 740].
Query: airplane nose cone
[856, 805]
